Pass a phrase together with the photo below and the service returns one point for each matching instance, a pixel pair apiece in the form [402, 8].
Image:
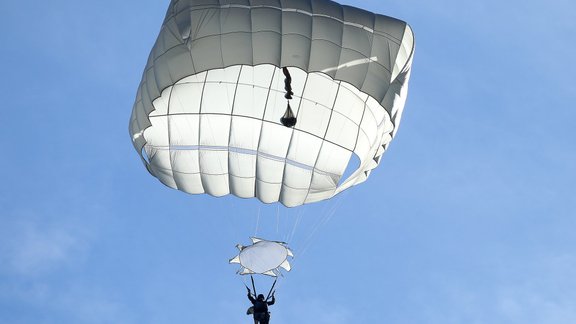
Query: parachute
[270, 98]
[263, 257]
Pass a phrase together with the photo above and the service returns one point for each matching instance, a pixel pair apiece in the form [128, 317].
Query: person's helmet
[260, 297]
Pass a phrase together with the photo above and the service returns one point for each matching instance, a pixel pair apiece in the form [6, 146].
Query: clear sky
[469, 218]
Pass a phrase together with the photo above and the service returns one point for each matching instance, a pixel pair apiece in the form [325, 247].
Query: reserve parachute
[270, 98]
[263, 257]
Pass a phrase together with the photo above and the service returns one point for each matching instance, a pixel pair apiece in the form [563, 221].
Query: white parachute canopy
[263, 257]
[270, 99]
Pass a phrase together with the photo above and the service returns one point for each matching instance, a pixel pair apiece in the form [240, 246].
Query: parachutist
[259, 309]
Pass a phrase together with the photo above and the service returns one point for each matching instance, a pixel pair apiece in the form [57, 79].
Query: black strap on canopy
[287, 83]
[288, 120]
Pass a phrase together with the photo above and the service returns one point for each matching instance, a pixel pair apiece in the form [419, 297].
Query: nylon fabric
[207, 112]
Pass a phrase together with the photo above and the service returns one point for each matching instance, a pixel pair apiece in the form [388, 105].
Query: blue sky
[469, 218]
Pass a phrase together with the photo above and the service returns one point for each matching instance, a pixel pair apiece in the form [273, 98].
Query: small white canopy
[263, 257]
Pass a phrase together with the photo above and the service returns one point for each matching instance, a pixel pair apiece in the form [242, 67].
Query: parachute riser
[253, 286]
[271, 289]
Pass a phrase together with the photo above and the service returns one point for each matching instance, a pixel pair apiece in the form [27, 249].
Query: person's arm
[270, 303]
[250, 297]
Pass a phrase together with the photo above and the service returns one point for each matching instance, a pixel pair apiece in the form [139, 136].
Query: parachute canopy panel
[263, 257]
[211, 113]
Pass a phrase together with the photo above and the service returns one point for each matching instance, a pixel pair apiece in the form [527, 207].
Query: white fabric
[263, 257]
[207, 113]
